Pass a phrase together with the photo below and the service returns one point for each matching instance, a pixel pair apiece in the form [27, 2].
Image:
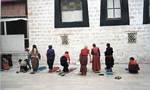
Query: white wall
[42, 32]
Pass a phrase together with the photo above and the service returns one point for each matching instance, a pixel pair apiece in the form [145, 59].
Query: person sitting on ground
[5, 64]
[133, 66]
[23, 65]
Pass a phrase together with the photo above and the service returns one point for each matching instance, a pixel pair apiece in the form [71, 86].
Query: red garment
[133, 66]
[67, 56]
[96, 59]
[132, 62]
[83, 60]
[85, 52]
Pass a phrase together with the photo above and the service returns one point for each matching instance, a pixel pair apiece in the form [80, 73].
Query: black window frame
[58, 16]
[146, 16]
[2, 28]
[124, 20]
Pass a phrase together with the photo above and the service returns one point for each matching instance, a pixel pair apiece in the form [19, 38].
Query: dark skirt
[83, 62]
[50, 62]
[109, 61]
[133, 68]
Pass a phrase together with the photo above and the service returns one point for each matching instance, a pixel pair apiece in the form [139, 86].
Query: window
[14, 15]
[114, 12]
[132, 37]
[2, 28]
[146, 16]
[14, 8]
[65, 40]
[14, 28]
[113, 9]
[71, 13]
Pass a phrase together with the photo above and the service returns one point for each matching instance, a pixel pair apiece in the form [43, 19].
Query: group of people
[64, 60]
[95, 52]
[35, 56]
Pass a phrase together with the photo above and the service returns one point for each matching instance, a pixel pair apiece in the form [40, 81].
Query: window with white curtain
[113, 9]
[71, 10]
[71, 13]
[114, 12]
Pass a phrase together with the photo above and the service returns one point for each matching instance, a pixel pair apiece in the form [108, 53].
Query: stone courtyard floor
[10, 80]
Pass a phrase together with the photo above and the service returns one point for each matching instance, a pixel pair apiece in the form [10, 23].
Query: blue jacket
[50, 54]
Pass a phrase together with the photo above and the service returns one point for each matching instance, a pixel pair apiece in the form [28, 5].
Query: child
[133, 66]
[23, 65]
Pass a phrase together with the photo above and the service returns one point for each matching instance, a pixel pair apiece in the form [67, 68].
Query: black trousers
[28, 64]
[133, 71]
[23, 69]
[109, 61]
[65, 66]
[50, 63]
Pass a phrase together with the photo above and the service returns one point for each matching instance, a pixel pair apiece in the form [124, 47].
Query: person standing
[109, 60]
[35, 57]
[84, 60]
[95, 59]
[50, 57]
[28, 58]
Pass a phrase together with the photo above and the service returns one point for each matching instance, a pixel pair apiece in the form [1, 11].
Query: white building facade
[129, 39]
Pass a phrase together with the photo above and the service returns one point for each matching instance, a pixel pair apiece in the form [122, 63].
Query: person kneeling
[133, 66]
[64, 63]
[23, 65]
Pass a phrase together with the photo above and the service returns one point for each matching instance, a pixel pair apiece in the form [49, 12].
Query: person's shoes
[101, 74]
[97, 71]
[32, 72]
[118, 77]
[50, 71]
[81, 74]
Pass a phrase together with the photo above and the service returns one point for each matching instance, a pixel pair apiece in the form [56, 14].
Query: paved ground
[10, 80]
